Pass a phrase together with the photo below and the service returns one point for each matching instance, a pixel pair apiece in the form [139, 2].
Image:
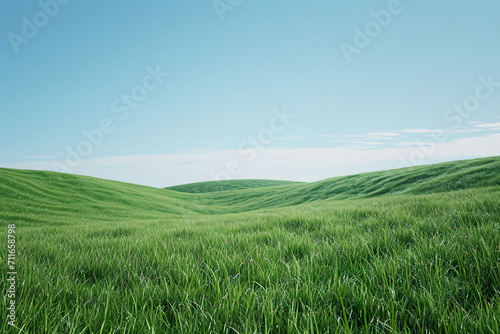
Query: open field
[415, 250]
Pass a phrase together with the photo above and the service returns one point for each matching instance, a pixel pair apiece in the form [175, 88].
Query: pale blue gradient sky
[227, 76]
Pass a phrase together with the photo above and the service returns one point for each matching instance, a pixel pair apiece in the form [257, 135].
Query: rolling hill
[429, 179]
[413, 250]
[49, 196]
[225, 185]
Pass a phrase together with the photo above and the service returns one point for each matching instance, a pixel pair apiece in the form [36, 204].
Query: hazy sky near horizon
[170, 92]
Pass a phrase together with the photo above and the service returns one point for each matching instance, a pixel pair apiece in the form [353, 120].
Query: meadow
[415, 250]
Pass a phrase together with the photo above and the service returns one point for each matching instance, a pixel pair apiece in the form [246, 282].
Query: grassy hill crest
[227, 185]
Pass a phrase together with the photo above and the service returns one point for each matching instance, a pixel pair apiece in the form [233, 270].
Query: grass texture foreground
[414, 250]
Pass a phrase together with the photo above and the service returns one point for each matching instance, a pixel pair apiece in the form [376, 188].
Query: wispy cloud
[369, 143]
[419, 131]
[451, 131]
[374, 136]
[489, 126]
[447, 131]
[413, 143]
[384, 134]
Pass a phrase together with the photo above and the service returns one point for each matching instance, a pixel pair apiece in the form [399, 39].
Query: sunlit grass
[404, 263]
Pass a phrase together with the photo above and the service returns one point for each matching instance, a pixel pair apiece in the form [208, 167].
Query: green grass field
[414, 250]
[209, 187]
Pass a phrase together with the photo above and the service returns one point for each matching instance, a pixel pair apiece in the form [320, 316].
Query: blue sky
[422, 86]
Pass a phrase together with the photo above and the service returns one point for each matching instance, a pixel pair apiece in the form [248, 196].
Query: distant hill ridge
[226, 185]
[50, 196]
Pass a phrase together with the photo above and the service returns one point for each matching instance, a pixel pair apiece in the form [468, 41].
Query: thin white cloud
[429, 132]
[368, 137]
[462, 130]
[419, 131]
[384, 134]
[370, 143]
[489, 126]
[413, 143]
